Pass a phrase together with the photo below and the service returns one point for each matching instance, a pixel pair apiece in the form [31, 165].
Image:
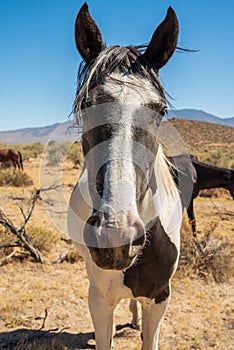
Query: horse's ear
[164, 41]
[87, 35]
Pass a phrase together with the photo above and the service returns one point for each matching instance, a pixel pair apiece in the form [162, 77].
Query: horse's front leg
[101, 309]
[153, 312]
[135, 309]
[14, 165]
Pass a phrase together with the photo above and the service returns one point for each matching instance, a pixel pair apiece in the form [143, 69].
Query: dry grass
[200, 315]
[42, 238]
[206, 138]
[9, 177]
[73, 256]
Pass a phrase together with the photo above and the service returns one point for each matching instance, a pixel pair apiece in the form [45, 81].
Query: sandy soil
[46, 304]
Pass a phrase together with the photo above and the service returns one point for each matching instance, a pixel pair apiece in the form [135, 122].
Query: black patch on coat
[163, 295]
[149, 276]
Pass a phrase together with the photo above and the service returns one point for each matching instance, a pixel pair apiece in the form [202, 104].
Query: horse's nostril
[94, 220]
[139, 241]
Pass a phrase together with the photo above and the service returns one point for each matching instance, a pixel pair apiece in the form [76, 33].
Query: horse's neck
[162, 200]
[212, 178]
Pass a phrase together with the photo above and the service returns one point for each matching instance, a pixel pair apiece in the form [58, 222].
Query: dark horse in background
[12, 155]
[204, 176]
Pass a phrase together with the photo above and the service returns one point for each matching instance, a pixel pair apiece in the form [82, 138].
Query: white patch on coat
[120, 168]
[122, 87]
[152, 317]
[110, 282]
[126, 90]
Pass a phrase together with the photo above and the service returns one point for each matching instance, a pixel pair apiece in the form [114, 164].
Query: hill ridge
[200, 115]
[62, 131]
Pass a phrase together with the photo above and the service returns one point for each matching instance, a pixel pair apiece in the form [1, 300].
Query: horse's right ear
[87, 35]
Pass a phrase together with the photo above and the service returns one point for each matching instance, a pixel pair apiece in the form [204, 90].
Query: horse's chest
[109, 282]
[150, 275]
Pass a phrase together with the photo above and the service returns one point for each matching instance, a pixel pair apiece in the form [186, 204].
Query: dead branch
[35, 197]
[11, 245]
[17, 198]
[44, 319]
[61, 258]
[7, 259]
[50, 188]
[66, 239]
[21, 231]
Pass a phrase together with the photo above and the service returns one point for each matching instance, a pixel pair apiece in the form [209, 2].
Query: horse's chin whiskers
[134, 251]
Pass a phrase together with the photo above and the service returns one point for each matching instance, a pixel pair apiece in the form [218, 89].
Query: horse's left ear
[164, 41]
[87, 35]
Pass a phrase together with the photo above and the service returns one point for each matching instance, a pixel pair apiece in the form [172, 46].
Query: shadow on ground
[28, 339]
[25, 339]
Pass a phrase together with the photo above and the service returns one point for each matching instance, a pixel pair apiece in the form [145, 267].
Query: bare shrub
[20, 232]
[43, 239]
[33, 150]
[73, 256]
[56, 152]
[75, 153]
[218, 157]
[205, 256]
[15, 178]
[70, 255]
[7, 244]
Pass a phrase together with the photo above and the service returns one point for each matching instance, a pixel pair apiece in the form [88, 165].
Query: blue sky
[39, 61]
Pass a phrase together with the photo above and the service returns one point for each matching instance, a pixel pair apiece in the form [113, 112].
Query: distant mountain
[58, 132]
[194, 114]
[63, 131]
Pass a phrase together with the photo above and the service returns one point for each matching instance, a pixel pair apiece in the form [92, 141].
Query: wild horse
[209, 176]
[190, 172]
[7, 155]
[125, 212]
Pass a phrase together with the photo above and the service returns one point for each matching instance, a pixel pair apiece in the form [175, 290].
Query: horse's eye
[157, 108]
[163, 111]
[86, 102]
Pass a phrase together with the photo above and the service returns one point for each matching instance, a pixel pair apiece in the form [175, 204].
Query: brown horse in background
[7, 155]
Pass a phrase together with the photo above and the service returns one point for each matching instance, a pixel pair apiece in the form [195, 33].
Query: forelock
[114, 59]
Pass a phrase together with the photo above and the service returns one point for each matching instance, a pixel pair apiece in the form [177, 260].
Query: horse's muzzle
[112, 246]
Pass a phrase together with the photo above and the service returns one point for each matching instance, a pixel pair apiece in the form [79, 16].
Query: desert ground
[44, 305]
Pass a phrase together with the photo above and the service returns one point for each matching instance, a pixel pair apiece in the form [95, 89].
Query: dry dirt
[47, 303]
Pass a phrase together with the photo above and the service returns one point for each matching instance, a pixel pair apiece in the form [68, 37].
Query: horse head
[120, 103]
